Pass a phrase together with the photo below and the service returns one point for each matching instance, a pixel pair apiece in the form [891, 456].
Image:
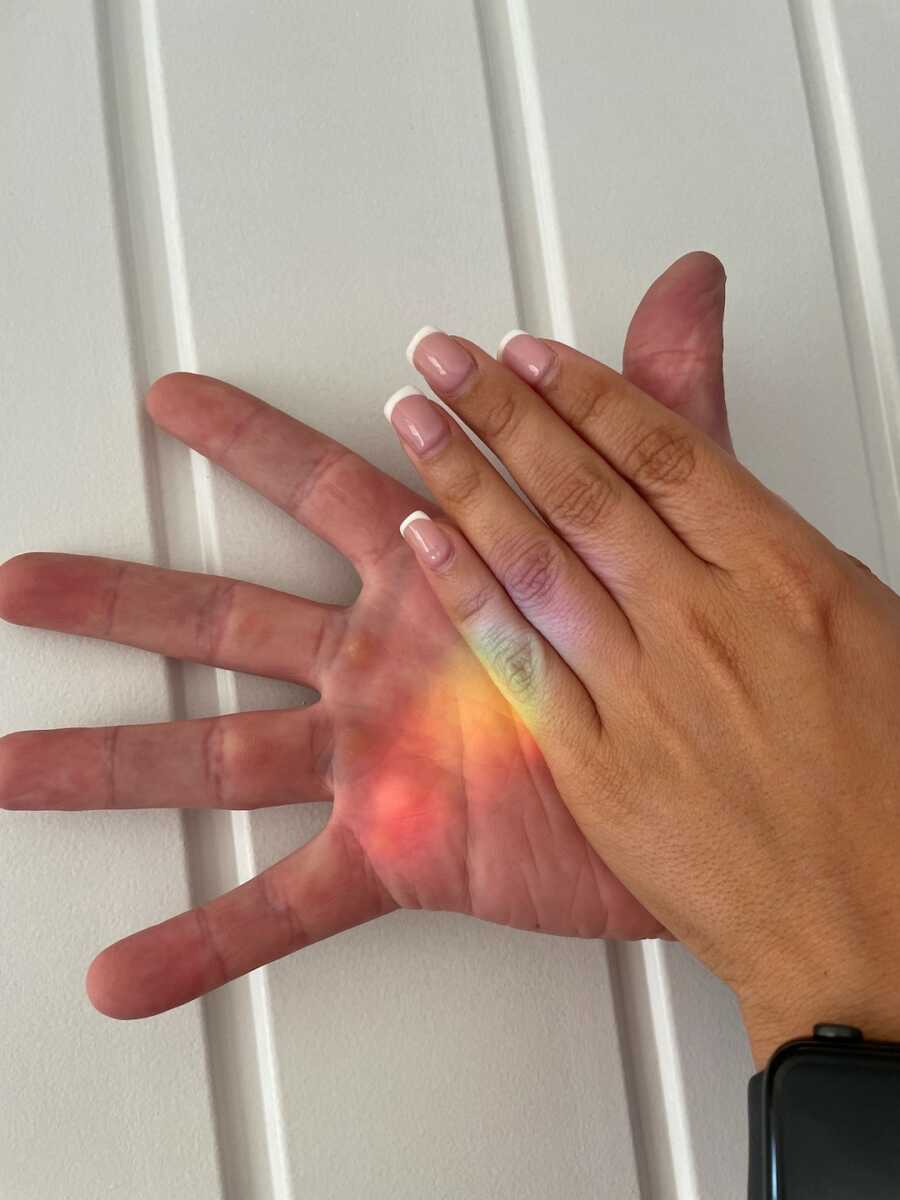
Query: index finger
[317, 891]
[317, 480]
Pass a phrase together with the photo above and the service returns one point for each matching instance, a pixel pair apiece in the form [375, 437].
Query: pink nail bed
[418, 421]
[443, 362]
[427, 539]
[530, 358]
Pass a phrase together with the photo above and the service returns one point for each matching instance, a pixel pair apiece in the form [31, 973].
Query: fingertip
[429, 541]
[418, 515]
[417, 337]
[101, 989]
[17, 579]
[154, 969]
[141, 975]
[167, 392]
[395, 397]
[18, 777]
[673, 348]
[200, 410]
[696, 262]
[507, 338]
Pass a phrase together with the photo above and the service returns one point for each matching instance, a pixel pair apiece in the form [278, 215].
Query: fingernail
[418, 421]
[429, 542]
[530, 358]
[443, 362]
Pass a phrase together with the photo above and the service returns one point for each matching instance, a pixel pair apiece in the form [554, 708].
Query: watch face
[834, 1121]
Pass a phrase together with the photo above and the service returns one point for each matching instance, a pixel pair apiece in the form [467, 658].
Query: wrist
[868, 999]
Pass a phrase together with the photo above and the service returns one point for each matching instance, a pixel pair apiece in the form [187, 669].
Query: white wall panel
[89, 1107]
[279, 194]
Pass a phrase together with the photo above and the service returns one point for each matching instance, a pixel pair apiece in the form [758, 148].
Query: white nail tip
[507, 338]
[416, 338]
[418, 515]
[395, 399]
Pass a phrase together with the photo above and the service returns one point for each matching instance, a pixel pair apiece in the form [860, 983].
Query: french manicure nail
[530, 358]
[418, 421]
[443, 361]
[429, 542]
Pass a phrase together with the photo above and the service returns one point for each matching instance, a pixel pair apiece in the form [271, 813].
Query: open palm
[441, 798]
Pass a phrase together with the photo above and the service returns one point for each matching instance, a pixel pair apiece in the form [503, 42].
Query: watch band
[755, 1123]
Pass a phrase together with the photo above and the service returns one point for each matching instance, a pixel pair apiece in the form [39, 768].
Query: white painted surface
[280, 194]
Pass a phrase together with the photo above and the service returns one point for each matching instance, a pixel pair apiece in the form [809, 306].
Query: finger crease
[209, 940]
[213, 618]
[349, 837]
[394, 542]
[297, 932]
[320, 750]
[213, 755]
[239, 432]
[601, 882]
[112, 745]
[688, 357]
[317, 643]
[115, 594]
[307, 484]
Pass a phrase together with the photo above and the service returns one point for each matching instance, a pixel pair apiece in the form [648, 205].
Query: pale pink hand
[441, 799]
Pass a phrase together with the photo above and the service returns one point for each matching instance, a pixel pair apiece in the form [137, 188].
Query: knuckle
[281, 906]
[515, 659]
[580, 499]
[214, 616]
[332, 476]
[235, 751]
[502, 418]
[615, 785]
[858, 570]
[467, 607]
[462, 489]
[807, 589]
[224, 756]
[661, 457]
[587, 403]
[529, 569]
[710, 637]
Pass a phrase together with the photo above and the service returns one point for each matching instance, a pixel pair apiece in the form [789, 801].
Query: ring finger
[530, 673]
[238, 761]
[544, 578]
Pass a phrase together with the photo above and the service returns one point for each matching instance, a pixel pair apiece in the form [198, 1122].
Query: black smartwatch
[825, 1119]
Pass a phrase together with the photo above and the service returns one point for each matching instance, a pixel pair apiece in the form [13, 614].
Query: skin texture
[442, 799]
[694, 659]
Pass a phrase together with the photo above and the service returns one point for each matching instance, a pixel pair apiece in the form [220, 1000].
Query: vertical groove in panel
[127, 273]
[668, 1060]
[138, 356]
[520, 215]
[653, 1168]
[239, 1050]
[179, 293]
[644, 1022]
[857, 259]
[547, 231]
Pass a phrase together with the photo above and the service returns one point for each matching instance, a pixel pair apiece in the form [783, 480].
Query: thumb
[673, 348]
